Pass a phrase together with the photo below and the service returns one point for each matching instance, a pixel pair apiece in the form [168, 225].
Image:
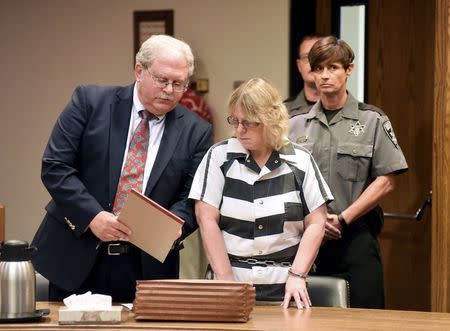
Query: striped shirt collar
[235, 150]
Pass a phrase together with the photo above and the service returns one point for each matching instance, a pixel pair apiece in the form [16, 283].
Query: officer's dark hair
[328, 50]
[311, 36]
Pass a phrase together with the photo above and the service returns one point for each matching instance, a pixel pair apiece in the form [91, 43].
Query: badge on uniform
[387, 126]
[302, 139]
[357, 128]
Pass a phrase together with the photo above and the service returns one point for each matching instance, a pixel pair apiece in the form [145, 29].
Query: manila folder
[154, 228]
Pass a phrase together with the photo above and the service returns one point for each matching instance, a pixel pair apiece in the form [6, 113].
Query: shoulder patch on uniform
[387, 126]
[366, 106]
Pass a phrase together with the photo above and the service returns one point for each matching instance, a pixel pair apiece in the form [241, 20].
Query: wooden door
[440, 249]
[400, 81]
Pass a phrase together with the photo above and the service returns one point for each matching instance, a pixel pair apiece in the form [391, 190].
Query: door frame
[440, 226]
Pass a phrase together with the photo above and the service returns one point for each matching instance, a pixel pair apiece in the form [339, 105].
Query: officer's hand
[332, 227]
[107, 228]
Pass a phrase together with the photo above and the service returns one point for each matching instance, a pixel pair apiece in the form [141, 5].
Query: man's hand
[107, 228]
[332, 227]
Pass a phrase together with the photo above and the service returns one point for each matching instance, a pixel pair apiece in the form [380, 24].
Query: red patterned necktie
[133, 170]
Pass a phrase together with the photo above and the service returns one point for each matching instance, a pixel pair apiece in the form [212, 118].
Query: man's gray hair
[156, 44]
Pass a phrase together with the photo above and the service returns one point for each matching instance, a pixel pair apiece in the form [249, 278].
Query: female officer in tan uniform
[356, 150]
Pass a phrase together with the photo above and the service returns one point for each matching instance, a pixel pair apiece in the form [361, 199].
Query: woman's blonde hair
[260, 102]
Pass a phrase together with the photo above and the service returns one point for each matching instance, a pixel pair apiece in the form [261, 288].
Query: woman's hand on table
[296, 288]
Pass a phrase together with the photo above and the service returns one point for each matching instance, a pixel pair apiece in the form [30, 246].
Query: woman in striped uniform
[260, 200]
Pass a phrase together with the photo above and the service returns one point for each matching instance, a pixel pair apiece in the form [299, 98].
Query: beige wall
[50, 46]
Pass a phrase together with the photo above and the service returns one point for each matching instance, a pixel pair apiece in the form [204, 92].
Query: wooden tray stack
[193, 300]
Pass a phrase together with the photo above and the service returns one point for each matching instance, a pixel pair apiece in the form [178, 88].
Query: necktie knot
[146, 115]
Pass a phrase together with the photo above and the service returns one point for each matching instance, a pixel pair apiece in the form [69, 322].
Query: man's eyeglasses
[234, 122]
[162, 83]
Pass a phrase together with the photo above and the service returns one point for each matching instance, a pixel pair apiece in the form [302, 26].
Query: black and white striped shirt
[261, 210]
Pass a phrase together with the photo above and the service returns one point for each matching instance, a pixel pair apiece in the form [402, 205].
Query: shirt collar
[299, 101]
[235, 150]
[287, 153]
[349, 110]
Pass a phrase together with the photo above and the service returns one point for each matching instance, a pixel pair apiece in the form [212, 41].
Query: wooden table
[269, 318]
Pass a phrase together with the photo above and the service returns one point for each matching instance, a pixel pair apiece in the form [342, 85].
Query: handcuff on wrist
[298, 275]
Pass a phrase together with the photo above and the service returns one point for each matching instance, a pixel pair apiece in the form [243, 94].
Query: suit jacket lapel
[171, 135]
[120, 122]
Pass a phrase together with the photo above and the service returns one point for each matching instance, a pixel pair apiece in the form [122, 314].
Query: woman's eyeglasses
[234, 122]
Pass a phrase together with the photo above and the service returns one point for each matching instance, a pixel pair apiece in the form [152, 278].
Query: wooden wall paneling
[323, 16]
[440, 286]
[400, 69]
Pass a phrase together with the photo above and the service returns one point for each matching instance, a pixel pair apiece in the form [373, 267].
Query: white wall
[50, 46]
[352, 30]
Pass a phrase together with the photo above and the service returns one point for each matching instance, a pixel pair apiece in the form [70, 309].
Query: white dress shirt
[155, 136]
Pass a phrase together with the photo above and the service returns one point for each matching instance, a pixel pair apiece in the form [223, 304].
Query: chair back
[323, 291]
[327, 291]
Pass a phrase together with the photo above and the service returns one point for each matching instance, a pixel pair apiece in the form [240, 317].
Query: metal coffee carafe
[17, 279]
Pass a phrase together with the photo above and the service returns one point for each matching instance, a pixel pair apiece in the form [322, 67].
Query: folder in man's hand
[154, 228]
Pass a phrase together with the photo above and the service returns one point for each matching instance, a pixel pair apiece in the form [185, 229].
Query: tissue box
[70, 316]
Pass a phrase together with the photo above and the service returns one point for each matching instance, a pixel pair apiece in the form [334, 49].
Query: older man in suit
[107, 140]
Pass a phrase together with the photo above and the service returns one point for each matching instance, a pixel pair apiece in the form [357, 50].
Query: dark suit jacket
[81, 168]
